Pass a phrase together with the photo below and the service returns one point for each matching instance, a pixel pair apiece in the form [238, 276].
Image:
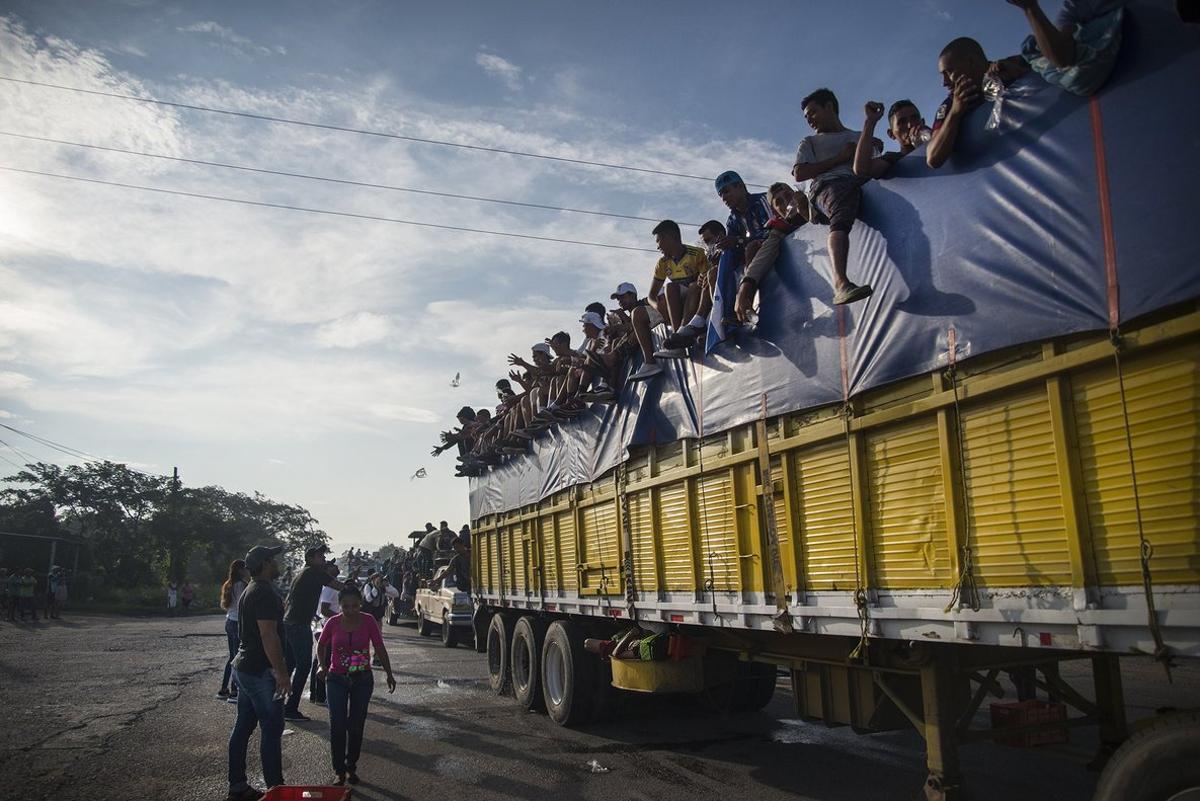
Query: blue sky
[310, 357]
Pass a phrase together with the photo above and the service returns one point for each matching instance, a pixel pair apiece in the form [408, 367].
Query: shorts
[838, 200]
[656, 319]
[686, 281]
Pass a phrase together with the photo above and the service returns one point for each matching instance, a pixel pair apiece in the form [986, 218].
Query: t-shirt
[258, 602]
[752, 224]
[306, 589]
[330, 596]
[28, 583]
[692, 263]
[1080, 12]
[822, 147]
[349, 651]
[429, 541]
[460, 570]
[236, 595]
[14, 585]
[444, 539]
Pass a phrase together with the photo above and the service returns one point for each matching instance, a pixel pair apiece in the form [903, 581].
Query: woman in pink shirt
[344, 657]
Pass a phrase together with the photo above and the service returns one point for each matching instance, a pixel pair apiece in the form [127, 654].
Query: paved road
[104, 709]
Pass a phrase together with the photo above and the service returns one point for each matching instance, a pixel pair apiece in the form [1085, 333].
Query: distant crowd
[700, 294]
[24, 594]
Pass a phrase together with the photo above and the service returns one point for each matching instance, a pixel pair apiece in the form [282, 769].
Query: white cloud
[353, 331]
[231, 40]
[503, 70]
[14, 382]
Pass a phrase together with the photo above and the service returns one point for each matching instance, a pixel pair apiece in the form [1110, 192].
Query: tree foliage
[141, 528]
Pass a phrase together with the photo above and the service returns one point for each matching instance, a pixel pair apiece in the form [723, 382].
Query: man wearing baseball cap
[302, 603]
[261, 674]
[642, 316]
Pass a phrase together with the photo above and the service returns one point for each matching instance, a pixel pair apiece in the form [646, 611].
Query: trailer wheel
[1159, 763]
[422, 624]
[568, 675]
[529, 636]
[761, 686]
[499, 642]
[449, 635]
[724, 690]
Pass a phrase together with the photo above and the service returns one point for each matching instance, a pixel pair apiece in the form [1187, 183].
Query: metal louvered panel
[645, 557]
[551, 578]
[1014, 503]
[601, 552]
[720, 558]
[1162, 394]
[675, 537]
[783, 524]
[516, 562]
[907, 507]
[564, 523]
[825, 530]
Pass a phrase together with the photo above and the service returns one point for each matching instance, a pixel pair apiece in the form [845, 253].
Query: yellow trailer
[896, 553]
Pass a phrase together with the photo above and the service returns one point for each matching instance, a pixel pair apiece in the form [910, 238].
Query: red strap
[1106, 222]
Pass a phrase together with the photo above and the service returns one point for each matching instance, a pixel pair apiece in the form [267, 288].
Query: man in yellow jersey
[679, 270]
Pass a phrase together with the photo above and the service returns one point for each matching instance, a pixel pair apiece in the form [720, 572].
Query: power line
[361, 131]
[74, 453]
[21, 453]
[327, 179]
[331, 212]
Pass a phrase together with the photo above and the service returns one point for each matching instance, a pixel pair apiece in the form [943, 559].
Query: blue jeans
[231, 636]
[256, 707]
[348, 697]
[297, 652]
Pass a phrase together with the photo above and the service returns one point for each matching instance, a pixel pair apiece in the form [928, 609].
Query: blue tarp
[1005, 244]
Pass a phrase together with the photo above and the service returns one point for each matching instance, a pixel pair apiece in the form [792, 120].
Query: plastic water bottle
[993, 92]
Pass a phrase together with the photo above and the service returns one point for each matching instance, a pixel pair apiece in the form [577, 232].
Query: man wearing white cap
[642, 316]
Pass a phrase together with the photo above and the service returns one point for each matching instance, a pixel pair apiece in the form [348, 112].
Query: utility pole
[175, 555]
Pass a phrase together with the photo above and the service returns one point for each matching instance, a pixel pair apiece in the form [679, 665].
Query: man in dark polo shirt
[262, 677]
[297, 623]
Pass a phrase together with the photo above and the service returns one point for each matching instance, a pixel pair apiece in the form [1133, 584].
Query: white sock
[699, 321]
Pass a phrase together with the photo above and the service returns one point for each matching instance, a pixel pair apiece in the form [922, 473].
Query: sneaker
[647, 371]
[296, 715]
[683, 338]
[598, 396]
[231, 699]
[249, 794]
[670, 353]
[851, 293]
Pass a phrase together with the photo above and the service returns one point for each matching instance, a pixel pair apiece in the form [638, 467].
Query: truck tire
[761, 686]
[529, 635]
[422, 624]
[568, 675]
[499, 643]
[1159, 763]
[449, 635]
[724, 690]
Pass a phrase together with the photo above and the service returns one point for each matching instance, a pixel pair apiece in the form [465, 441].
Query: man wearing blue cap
[745, 231]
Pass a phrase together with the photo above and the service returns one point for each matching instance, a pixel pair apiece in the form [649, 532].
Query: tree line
[136, 529]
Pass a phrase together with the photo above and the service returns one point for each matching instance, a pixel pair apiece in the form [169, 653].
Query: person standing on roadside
[231, 593]
[28, 592]
[261, 676]
[344, 659]
[186, 594]
[172, 596]
[297, 623]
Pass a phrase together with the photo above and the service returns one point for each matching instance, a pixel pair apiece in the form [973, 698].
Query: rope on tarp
[1162, 653]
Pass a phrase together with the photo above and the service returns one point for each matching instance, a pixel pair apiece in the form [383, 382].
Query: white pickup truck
[440, 602]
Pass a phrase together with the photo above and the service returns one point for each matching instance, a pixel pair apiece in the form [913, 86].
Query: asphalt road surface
[107, 708]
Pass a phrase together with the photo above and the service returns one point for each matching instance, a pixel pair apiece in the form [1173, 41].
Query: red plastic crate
[1022, 713]
[307, 793]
